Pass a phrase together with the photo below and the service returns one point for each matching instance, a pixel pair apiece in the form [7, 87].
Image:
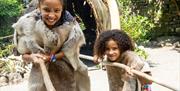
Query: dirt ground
[165, 62]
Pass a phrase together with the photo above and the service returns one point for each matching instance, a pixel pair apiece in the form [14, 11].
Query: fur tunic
[118, 78]
[67, 74]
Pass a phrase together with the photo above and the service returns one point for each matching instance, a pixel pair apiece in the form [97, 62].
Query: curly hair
[122, 39]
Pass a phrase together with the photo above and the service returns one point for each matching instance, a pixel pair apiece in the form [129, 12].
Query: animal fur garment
[32, 36]
[67, 74]
[118, 78]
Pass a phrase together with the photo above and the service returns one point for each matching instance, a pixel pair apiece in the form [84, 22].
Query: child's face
[51, 11]
[112, 50]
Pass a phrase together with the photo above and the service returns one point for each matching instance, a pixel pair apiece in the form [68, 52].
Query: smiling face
[51, 11]
[112, 50]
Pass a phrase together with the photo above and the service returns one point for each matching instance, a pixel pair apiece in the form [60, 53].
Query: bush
[6, 50]
[141, 52]
[137, 26]
[10, 8]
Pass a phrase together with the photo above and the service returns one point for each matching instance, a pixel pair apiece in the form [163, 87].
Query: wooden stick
[114, 14]
[47, 80]
[138, 73]
[141, 74]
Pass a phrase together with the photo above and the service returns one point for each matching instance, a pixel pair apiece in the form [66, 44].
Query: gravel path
[166, 62]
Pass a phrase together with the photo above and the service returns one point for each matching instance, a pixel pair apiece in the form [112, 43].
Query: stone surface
[3, 81]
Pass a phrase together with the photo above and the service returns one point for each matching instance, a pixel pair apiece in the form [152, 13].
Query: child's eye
[115, 48]
[46, 9]
[57, 10]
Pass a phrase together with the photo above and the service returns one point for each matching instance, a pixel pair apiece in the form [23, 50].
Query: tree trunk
[106, 14]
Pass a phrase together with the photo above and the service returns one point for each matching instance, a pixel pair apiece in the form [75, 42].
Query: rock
[167, 41]
[153, 43]
[3, 81]
[26, 75]
[177, 44]
[178, 30]
[14, 78]
[2, 63]
[141, 47]
[168, 44]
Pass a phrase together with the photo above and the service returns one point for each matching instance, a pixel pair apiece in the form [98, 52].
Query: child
[66, 71]
[117, 46]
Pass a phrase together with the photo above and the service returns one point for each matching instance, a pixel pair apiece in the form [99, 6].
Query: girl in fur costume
[117, 46]
[61, 47]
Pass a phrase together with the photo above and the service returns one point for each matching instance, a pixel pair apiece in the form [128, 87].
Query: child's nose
[51, 15]
[110, 51]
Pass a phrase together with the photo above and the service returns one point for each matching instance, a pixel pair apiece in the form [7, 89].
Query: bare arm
[27, 58]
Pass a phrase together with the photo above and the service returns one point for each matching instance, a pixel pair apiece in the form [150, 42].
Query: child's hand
[96, 59]
[46, 57]
[128, 74]
[129, 71]
[36, 57]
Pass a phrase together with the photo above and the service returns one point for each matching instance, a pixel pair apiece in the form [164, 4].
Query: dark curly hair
[123, 40]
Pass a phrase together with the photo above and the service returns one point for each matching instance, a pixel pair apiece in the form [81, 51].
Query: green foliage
[7, 66]
[6, 50]
[163, 14]
[10, 8]
[9, 11]
[82, 26]
[141, 52]
[6, 30]
[137, 26]
[11, 65]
